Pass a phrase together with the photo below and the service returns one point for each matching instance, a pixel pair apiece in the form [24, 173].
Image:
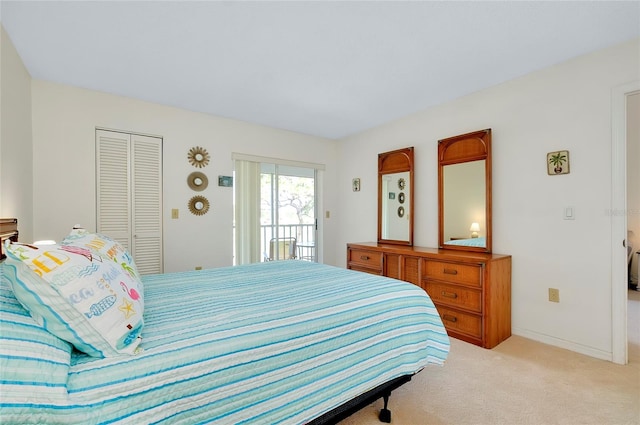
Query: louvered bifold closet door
[147, 203]
[129, 180]
[113, 183]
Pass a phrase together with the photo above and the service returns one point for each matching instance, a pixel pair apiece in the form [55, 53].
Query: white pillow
[79, 296]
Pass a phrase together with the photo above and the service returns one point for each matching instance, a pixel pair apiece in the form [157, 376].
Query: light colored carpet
[519, 382]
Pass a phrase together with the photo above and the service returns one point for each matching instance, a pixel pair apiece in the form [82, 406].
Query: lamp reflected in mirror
[475, 228]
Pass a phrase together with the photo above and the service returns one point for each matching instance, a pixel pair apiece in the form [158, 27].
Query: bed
[278, 342]
[475, 242]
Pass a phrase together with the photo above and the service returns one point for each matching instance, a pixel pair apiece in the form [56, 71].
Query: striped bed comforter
[276, 342]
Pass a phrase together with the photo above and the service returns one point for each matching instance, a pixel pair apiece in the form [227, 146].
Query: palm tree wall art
[558, 163]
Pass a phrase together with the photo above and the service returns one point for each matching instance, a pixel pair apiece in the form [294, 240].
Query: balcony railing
[304, 234]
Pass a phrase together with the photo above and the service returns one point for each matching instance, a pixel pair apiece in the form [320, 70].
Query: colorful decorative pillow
[79, 296]
[105, 247]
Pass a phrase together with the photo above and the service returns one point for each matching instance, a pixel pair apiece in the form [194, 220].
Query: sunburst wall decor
[198, 205]
[198, 157]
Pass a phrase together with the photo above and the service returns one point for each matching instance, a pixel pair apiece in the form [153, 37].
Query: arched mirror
[464, 192]
[395, 197]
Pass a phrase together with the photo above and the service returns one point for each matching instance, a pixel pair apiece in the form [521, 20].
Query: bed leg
[385, 414]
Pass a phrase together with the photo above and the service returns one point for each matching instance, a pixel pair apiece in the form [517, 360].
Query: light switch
[174, 213]
[569, 213]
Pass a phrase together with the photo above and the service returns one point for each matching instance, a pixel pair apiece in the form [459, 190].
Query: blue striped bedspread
[476, 242]
[276, 342]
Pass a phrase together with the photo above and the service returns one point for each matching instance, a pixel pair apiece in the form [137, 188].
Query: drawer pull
[449, 294]
[364, 257]
[450, 271]
[450, 318]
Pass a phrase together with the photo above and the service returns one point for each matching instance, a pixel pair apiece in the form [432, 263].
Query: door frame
[619, 285]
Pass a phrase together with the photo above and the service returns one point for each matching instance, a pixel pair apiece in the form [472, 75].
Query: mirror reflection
[464, 206]
[395, 220]
[464, 192]
[395, 197]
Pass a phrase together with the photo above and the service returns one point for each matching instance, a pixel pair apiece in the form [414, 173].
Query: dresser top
[420, 251]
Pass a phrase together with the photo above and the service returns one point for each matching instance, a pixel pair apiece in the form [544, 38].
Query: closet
[129, 194]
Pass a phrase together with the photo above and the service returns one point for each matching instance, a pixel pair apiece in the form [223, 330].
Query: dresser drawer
[366, 270]
[368, 259]
[456, 296]
[454, 273]
[465, 323]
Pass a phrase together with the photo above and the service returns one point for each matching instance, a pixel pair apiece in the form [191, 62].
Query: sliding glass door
[275, 205]
[287, 212]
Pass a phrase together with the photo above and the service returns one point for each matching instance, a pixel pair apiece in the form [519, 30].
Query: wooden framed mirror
[464, 192]
[395, 197]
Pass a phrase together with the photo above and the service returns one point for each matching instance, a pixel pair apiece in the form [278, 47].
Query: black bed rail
[352, 406]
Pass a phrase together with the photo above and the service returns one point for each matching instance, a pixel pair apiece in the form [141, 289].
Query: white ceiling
[324, 68]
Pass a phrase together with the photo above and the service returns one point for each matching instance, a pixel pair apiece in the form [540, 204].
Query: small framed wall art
[355, 184]
[225, 181]
[558, 163]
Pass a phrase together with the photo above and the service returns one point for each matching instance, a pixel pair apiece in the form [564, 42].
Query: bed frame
[350, 407]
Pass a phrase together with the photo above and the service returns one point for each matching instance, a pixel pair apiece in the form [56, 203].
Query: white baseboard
[568, 345]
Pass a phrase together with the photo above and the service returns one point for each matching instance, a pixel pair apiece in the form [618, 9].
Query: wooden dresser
[8, 230]
[471, 290]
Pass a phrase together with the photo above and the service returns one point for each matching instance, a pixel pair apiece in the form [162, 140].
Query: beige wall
[16, 169]
[64, 122]
[564, 107]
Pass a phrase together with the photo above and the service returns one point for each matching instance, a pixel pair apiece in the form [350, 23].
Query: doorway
[633, 224]
[288, 212]
[275, 209]
[619, 253]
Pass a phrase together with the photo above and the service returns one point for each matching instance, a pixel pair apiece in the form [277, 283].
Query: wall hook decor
[198, 157]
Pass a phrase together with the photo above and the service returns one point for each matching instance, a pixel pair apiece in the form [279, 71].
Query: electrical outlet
[554, 295]
[174, 213]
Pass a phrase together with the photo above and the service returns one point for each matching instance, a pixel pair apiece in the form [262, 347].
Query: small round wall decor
[198, 205]
[198, 157]
[401, 183]
[197, 181]
[400, 212]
